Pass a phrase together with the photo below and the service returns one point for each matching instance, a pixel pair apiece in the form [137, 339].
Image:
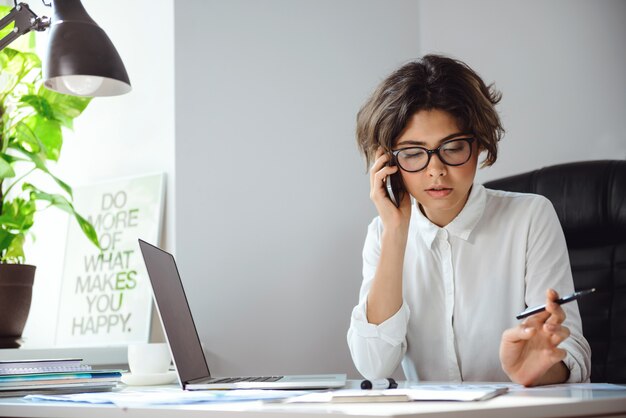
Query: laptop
[182, 336]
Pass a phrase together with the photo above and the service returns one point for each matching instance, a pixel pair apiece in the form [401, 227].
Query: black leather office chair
[590, 201]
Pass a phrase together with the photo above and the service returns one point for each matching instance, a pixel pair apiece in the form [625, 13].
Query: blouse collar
[461, 226]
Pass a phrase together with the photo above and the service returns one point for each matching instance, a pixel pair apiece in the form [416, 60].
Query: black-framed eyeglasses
[454, 152]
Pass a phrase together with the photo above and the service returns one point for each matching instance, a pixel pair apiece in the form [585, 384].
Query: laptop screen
[173, 308]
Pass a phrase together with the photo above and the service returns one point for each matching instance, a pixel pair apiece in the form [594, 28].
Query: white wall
[561, 66]
[115, 137]
[272, 195]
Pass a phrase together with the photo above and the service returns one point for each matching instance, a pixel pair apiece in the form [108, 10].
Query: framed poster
[105, 295]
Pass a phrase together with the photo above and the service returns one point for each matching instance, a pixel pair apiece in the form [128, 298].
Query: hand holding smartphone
[394, 186]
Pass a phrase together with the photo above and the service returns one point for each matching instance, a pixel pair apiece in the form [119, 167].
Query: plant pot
[16, 291]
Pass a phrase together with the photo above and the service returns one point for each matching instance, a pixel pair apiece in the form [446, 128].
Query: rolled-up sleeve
[376, 350]
[577, 360]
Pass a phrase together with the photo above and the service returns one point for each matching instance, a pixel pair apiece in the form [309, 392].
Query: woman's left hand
[529, 353]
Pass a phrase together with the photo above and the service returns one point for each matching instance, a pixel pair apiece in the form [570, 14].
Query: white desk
[554, 403]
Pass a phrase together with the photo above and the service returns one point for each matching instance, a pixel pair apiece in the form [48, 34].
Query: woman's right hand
[385, 294]
[393, 218]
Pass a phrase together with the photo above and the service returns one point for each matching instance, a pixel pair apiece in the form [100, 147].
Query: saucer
[149, 379]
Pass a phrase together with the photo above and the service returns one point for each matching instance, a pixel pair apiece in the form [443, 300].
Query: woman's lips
[438, 192]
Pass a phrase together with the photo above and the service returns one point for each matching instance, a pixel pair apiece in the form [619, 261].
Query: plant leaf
[5, 240]
[17, 218]
[31, 60]
[40, 104]
[25, 137]
[40, 163]
[48, 131]
[5, 168]
[8, 54]
[62, 203]
[64, 106]
[18, 215]
[66, 187]
[32, 119]
[88, 229]
[9, 222]
[15, 250]
[16, 66]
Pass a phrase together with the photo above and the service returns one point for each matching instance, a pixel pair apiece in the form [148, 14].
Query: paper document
[168, 396]
[573, 386]
[432, 393]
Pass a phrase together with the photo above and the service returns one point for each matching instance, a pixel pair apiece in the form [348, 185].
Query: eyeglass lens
[455, 152]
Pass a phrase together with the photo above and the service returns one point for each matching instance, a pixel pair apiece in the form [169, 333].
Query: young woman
[446, 271]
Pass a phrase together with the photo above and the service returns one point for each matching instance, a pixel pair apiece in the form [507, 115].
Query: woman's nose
[436, 167]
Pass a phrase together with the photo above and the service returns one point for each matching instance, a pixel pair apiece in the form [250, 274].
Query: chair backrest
[590, 201]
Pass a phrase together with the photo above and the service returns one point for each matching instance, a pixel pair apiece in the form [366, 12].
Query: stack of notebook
[24, 377]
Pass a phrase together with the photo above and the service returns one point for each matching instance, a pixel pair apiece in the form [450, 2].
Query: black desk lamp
[80, 59]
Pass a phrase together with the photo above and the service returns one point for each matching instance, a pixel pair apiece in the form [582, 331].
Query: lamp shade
[81, 59]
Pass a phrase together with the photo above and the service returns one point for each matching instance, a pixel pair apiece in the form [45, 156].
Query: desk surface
[564, 402]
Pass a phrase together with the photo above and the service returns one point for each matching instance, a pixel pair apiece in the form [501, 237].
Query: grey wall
[561, 66]
[272, 196]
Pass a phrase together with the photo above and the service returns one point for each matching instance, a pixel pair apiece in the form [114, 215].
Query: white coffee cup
[148, 358]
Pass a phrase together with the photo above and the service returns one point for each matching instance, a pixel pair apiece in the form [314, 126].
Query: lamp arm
[25, 21]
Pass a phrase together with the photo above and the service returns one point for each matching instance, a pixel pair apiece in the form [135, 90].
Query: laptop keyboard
[243, 379]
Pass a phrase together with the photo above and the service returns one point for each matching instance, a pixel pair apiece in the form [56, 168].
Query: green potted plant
[32, 119]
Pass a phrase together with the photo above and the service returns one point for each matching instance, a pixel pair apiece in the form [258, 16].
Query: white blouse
[463, 285]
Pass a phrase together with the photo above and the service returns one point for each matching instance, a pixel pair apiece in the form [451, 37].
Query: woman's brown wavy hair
[433, 82]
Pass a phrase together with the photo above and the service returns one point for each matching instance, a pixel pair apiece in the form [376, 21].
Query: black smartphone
[395, 188]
